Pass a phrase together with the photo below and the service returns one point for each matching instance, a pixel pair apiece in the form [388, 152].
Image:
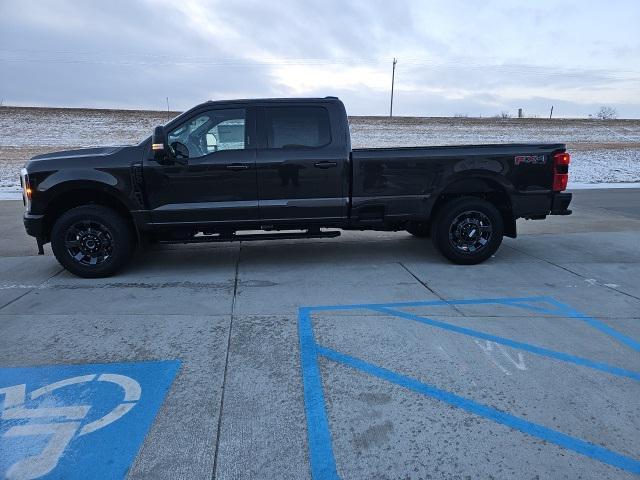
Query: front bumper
[560, 204]
[33, 224]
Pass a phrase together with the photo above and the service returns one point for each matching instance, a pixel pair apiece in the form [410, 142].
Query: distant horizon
[496, 116]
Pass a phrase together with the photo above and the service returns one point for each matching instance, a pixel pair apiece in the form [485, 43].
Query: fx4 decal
[535, 159]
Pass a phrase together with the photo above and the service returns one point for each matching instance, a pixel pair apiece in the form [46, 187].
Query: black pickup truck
[283, 167]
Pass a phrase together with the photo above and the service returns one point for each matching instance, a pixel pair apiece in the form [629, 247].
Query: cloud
[454, 56]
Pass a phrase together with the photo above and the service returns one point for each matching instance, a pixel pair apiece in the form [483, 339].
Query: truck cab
[251, 164]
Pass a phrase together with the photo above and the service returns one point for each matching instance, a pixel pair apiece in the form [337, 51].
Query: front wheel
[92, 241]
[467, 230]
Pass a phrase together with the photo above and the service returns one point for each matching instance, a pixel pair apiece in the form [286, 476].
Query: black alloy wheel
[89, 242]
[467, 230]
[470, 231]
[92, 241]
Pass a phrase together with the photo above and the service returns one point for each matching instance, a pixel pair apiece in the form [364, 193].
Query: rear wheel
[467, 230]
[92, 241]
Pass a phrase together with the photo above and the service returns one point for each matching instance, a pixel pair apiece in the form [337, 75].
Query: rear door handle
[237, 166]
[325, 164]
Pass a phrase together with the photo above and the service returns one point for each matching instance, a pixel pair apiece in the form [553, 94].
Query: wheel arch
[89, 193]
[494, 190]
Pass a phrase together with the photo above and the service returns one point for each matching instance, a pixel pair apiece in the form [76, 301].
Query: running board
[254, 236]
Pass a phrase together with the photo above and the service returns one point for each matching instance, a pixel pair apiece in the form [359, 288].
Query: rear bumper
[33, 224]
[560, 204]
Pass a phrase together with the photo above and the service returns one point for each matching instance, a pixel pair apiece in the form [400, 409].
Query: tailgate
[540, 170]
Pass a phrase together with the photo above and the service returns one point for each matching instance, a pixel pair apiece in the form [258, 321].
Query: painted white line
[14, 395]
[75, 412]
[38, 465]
[14, 406]
[110, 417]
[62, 383]
[132, 390]
[519, 364]
[487, 351]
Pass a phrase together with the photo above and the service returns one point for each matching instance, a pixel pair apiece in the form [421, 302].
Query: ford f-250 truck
[284, 167]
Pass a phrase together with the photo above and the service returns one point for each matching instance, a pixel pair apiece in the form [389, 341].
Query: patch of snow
[584, 186]
[602, 152]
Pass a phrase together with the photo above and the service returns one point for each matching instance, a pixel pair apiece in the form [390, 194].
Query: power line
[129, 59]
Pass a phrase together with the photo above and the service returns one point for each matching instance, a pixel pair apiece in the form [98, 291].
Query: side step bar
[254, 236]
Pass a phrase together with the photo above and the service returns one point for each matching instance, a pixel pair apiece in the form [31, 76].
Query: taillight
[562, 158]
[560, 171]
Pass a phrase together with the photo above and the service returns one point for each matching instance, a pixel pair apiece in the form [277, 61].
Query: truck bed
[402, 181]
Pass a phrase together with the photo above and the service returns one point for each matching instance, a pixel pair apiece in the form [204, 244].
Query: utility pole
[393, 77]
[551, 113]
[167, 108]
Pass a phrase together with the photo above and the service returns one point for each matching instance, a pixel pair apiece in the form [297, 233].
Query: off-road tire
[451, 218]
[102, 226]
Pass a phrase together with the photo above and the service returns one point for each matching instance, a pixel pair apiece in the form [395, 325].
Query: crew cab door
[302, 166]
[218, 182]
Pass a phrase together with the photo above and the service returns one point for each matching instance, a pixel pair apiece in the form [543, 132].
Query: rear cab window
[297, 127]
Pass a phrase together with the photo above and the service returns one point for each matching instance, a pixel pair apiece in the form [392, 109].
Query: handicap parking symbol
[78, 421]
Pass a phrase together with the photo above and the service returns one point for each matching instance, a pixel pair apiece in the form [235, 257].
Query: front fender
[64, 181]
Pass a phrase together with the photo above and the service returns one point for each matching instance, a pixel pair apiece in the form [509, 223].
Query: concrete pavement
[395, 379]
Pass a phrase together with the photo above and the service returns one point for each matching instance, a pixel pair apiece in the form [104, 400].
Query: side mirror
[161, 152]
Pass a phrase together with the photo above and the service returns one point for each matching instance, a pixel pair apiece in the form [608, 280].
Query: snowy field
[602, 151]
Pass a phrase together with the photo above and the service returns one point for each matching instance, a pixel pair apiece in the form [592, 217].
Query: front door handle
[325, 164]
[237, 166]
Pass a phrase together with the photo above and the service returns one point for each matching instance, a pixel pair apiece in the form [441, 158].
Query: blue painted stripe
[577, 445]
[480, 301]
[521, 302]
[323, 464]
[597, 324]
[603, 367]
[562, 310]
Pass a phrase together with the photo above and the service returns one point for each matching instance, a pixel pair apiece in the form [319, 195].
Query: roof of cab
[255, 101]
[271, 100]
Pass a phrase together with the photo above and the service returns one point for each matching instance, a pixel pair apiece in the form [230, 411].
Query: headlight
[26, 189]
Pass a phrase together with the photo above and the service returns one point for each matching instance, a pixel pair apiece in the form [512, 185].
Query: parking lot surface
[366, 356]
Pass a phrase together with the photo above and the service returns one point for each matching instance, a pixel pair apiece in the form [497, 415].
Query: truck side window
[290, 127]
[211, 131]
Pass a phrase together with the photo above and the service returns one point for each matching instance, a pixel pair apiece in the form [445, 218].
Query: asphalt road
[366, 356]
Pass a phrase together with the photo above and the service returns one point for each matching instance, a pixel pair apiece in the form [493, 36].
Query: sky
[475, 58]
